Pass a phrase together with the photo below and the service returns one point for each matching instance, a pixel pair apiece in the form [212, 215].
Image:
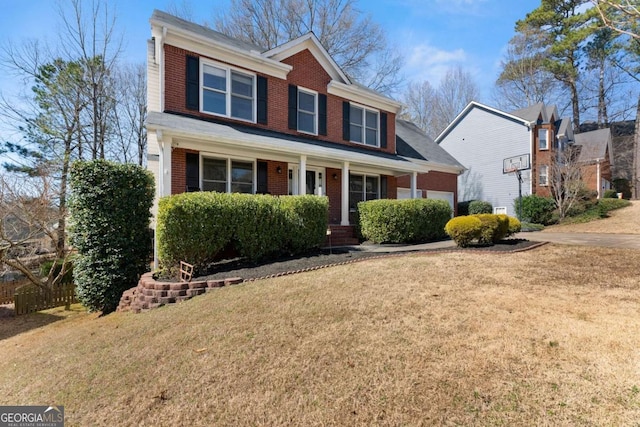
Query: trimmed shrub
[194, 227]
[463, 229]
[403, 221]
[536, 209]
[110, 211]
[197, 227]
[307, 215]
[494, 228]
[514, 226]
[480, 207]
[610, 194]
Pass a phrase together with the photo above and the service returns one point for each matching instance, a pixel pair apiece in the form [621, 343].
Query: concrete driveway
[629, 241]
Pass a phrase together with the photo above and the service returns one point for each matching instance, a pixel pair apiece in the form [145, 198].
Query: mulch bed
[326, 258]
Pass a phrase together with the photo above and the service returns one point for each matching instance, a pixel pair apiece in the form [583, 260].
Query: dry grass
[625, 220]
[444, 339]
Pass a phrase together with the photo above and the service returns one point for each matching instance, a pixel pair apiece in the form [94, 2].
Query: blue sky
[433, 35]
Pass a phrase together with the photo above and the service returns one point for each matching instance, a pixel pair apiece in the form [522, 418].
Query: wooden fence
[8, 289]
[30, 298]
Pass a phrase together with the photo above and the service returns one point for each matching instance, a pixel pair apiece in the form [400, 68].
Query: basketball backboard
[516, 163]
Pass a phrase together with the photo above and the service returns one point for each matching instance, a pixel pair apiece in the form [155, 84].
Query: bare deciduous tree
[130, 114]
[357, 44]
[565, 180]
[28, 219]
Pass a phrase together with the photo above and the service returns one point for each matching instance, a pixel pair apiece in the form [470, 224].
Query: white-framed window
[361, 188]
[227, 92]
[226, 175]
[543, 139]
[364, 125]
[307, 111]
[543, 175]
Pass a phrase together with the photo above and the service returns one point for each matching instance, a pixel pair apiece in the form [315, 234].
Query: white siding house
[480, 138]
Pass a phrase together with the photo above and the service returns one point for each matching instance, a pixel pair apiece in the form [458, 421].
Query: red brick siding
[179, 170]
[277, 183]
[542, 157]
[307, 73]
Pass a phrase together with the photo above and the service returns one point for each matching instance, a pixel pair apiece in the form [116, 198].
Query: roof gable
[309, 41]
[594, 145]
[412, 142]
[476, 105]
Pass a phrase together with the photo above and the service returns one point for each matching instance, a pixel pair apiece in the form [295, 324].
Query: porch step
[341, 235]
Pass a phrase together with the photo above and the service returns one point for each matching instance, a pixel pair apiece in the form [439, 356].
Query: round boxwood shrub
[110, 211]
[463, 229]
[515, 226]
[480, 207]
[610, 194]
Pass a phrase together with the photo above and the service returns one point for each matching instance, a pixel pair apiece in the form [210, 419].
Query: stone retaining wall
[152, 294]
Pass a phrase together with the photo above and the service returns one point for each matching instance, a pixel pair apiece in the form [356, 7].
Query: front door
[314, 178]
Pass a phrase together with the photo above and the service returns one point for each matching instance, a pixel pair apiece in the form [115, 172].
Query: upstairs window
[363, 126]
[543, 139]
[307, 111]
[228, 93]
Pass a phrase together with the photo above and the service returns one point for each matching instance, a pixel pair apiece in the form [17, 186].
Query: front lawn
[544, 337]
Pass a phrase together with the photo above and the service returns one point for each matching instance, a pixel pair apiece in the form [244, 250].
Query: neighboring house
[481, 137]
[229, 116]
[595, 159]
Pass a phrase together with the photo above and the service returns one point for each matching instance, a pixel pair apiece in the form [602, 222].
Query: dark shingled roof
[594, 144]
[412, 142]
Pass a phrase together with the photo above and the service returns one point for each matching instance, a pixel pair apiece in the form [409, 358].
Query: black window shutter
[346, 122]
[262, 100]
[383, 130]
[322, 114]
[263, 174]
[193, 172]
[193, 83]
[383, 187]
[293, 107]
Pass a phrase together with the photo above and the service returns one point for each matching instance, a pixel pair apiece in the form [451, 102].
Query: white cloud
[426, 62]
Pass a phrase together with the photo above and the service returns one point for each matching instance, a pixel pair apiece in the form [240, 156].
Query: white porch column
[164, 178]
[302, 179]
[344, 202]
[414, 185]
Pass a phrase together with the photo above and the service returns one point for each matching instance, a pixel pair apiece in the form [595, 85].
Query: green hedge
[480, 207]
[110, 215]
[606, 205]
[197, 227]
[536, 209]
[403, 221]
[610, 194]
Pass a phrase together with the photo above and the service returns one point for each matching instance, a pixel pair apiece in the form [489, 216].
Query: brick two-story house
[228, 116]
[482, 137]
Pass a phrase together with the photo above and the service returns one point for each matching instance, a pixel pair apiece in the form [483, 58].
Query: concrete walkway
[629, 241]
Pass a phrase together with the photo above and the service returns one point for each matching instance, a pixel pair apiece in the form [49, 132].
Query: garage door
[441, 195]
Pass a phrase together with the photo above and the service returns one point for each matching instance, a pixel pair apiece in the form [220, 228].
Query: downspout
[598, 178]
[534, 159]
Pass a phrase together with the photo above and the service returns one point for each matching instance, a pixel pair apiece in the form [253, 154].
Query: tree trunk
[603, 117]
[575, 103]
[636, 155]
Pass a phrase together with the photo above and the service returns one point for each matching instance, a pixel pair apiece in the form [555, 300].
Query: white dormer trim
[309, 41]
[361, 96]
[205, 46]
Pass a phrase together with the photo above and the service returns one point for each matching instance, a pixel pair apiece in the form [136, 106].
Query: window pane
[215, 78]
[542, 138]
[214, 102]
[214, 169]
[355, 115]
[372, 137]
[306, 122]
[220, 187]
[242, 172]
[306, 102]
[372, 120]
[241, 84]
[242, 188]
[241, 108]
[355, 133]
[372, 188]
[355, 183]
